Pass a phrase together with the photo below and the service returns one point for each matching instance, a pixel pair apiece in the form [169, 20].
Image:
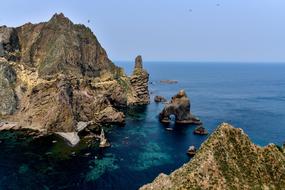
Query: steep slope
[59, 46]
[228, 160]
[55, 75]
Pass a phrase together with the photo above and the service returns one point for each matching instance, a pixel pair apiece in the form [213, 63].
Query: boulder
[159, 99]
[200, 130]
[179, 106]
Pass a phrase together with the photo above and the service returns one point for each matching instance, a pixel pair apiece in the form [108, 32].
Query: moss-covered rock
[228, 160]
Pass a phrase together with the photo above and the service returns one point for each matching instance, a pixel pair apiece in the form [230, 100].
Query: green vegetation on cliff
[228, 160]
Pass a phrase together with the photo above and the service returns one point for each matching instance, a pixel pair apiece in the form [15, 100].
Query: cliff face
[55, 74]
[228, 160]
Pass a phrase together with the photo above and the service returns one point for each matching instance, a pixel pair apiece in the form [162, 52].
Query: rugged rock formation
[179, 106]
[55, 74]
[228, 160]
[139, 81]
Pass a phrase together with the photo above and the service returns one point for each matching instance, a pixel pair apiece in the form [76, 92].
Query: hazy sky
[181, 30]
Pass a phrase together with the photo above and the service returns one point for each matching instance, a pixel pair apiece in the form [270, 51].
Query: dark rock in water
[139, 81]
[179, 106]
[168, 81]
[200, 130]
[227, 160]
[64, 77]
[159, 99]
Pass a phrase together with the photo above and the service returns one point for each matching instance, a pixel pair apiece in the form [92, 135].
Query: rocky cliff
[228, 160]
[55, 74]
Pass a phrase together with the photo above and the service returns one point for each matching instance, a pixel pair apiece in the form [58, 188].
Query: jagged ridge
[228, 160]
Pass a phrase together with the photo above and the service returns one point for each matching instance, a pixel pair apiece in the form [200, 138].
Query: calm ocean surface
[249, 96]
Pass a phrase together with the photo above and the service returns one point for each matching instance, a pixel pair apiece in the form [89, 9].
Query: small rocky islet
[179, 107]
[55, 78]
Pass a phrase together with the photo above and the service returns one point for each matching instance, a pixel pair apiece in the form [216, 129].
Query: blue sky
[170, 30]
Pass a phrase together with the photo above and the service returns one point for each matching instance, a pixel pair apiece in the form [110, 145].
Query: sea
[250, 96]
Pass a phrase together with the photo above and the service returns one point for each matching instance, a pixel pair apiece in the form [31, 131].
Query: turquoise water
[249, 96]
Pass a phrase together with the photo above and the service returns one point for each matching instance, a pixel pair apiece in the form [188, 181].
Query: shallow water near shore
[249, 96]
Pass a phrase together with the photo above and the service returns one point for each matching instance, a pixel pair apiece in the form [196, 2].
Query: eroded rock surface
[139, 81]
[179, 106]
[8, 100]
[55, 74]
[227, 160]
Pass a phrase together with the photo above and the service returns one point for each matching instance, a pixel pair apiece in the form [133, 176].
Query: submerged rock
[227, 160]
[179, 106]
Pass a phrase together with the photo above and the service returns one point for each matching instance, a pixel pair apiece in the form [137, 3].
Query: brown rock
[179, 106]
[139, 81]
[159, 99]
[61, 76]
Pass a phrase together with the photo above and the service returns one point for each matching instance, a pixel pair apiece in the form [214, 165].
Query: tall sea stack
[139, 81]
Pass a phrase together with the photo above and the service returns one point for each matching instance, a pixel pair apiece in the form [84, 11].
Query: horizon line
[193, 61]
